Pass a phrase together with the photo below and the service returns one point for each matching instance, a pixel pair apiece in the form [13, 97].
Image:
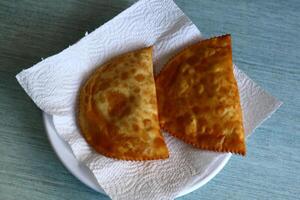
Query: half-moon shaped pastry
[198, 98]
[118, 109]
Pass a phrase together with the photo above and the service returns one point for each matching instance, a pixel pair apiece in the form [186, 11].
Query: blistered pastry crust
[118, 109]
[198, 98]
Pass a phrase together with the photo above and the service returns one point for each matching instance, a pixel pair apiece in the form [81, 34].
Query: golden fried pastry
[118, 109]
[198, 98]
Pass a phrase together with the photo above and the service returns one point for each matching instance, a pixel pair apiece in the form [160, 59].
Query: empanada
[118, 109]
[198, 98]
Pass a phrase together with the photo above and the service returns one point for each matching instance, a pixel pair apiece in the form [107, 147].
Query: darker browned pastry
[198, 98]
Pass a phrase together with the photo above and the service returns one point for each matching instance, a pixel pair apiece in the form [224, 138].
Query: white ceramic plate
[80, 171]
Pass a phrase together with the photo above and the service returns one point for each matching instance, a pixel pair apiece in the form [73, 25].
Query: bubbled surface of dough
[118, 109]
[198, 98]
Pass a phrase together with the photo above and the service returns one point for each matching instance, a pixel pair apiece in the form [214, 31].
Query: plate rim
[47, 120]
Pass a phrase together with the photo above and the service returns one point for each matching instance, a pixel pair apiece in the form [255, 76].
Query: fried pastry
[198, 98]
[118, 109]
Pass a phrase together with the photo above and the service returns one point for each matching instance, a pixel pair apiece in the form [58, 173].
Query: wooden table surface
[266, 46]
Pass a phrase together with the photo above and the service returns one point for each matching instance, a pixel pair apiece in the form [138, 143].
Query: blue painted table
[266, 46]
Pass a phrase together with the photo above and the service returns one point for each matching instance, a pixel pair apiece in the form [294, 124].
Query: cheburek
[198, 98]
[118, 109]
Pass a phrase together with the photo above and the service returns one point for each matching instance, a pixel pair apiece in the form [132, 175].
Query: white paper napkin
[54, 82]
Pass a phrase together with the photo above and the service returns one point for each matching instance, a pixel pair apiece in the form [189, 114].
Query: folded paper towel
[53, 84]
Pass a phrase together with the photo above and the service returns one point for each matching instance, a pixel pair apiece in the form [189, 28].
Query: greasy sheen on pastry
[118, 109]
[198, 98]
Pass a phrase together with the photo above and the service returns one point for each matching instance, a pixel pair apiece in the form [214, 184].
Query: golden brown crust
[198, 99]
[116, 108]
